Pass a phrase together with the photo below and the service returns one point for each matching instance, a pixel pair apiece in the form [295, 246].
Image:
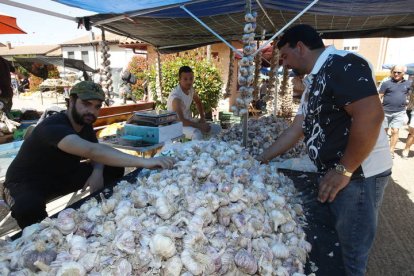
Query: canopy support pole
[286, 26]
[265, 13]
[211, 30]
[39, 10]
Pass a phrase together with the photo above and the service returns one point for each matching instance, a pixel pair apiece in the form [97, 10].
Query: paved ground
[393, 251]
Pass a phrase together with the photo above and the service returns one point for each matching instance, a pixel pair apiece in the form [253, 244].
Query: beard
[86, 119]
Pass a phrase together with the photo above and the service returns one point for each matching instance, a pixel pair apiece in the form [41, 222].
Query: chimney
[8, 44]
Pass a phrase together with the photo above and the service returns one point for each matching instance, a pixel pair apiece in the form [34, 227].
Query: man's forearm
[362, 139]
[189, 123]
[105, 154]
[98, 166]
[200, 109]
[286, 141]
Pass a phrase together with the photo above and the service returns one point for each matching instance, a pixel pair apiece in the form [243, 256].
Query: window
[85, 56]
[71, 54]
[354, 48]
[346, 48]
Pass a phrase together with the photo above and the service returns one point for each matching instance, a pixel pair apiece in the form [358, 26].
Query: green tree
[138, 67]
[207, 80]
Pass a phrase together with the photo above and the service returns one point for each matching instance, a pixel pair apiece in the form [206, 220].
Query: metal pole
[211, 30]
[265, 13]
[286, 26]
[39, 10]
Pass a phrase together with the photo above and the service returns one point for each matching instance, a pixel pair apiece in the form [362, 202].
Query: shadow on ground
[393, 250]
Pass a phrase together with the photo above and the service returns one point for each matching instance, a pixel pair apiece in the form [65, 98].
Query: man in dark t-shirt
[340, 118]
[394, 94]
[49, 161]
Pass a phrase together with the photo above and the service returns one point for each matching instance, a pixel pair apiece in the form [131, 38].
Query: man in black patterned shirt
[340, 118]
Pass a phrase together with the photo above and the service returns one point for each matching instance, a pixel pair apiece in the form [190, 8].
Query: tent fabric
[28, 63]
[171, 29]
[8, 25]
[217, 7]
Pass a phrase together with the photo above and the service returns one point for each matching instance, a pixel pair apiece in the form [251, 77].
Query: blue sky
[43, 29]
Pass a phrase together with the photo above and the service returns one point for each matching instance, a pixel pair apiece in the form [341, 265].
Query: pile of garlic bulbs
[218, 212]
[246, 67]
[261, 133]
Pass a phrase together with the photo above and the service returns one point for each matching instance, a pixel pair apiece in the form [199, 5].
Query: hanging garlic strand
[273, 80]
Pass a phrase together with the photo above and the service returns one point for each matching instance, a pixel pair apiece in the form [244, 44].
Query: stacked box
[155, 134]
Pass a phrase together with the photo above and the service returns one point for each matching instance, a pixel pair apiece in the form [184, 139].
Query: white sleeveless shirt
[186, 100]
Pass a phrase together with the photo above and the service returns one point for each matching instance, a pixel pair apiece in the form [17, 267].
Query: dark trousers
[30, 198]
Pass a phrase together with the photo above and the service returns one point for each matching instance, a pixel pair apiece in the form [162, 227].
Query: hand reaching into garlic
[162, 162]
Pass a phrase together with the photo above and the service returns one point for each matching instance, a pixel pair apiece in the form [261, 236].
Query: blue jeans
[355, 210]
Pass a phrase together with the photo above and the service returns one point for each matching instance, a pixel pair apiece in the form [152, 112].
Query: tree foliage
[138, 66]
[207, 80]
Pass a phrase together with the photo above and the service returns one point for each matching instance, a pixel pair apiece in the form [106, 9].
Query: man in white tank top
[180, 100]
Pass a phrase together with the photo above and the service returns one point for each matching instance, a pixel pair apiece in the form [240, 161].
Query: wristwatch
[342, 170]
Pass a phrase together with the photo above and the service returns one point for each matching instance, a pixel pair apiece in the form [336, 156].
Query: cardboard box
[153, 134]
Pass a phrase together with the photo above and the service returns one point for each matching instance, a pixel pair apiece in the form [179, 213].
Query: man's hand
[330, 185]
[204, 127]
[95, 182]
[164, 162]
[262, 159]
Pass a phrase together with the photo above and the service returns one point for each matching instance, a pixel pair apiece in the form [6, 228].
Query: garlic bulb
[41, 254]
[125, 241]
[162, 246]
[108, 205]
[66, 221]
[277, 218]
[71, 268]
[288, 227]
[89, 261]
[165, 208]
[77, 246]
[246, 262]
[279, 249]
[193, 261]
[123, 267]
[173, 266]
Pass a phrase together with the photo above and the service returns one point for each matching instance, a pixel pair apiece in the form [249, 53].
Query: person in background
[24, 84]
[393, 94]
[145, 87]
[263, 88]
[49, 164]
[6, 91]
[14, 80]
[125, 89]
[340, 118]
[261, 103]
[180, 100]
[410, 138]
